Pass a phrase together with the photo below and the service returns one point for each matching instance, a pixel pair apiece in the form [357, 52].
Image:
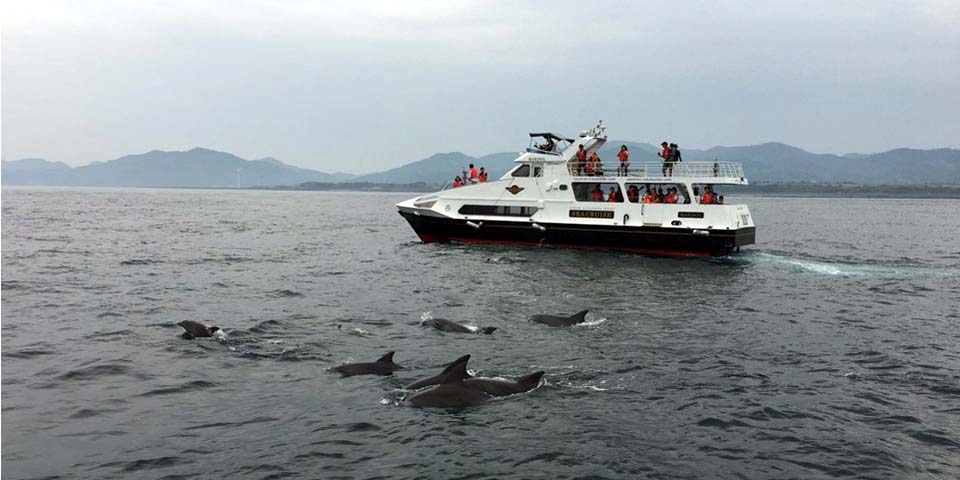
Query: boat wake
[801, 265]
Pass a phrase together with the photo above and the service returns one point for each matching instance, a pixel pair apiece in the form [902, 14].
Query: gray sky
[363, 86]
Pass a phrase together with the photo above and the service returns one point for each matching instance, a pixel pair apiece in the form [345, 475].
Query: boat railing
[731, 171]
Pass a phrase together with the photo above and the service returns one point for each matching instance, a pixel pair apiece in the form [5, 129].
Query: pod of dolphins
[453, 387]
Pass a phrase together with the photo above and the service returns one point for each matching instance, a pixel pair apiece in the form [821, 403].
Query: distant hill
[441, 168]
[785, 163]
[771, 162]
[198, 167]
[33, 165]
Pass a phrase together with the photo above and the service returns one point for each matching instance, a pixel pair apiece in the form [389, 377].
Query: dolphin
[502, 388]
[196, 329]
[445, 325]
[383, 366]
[451, 392]
[435, 379]
[560, 320]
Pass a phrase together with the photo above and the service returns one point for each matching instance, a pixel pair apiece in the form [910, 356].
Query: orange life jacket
[483, 177]
[473, 173]
[707, 198]
[623, 156]
[457, 183]
[581, 156]
[647, 198]
[598, 195]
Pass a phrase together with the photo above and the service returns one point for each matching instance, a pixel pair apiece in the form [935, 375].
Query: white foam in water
[810, 266]
[426, 316]
[220, 335]
[592, 323]
[359, 331]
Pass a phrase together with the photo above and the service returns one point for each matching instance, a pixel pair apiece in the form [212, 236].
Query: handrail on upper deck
[718, 170]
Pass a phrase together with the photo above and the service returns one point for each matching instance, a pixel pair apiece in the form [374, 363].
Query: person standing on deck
[675, 156]
[665, 155]
[624, 157]
[483, 175]
[581, 160]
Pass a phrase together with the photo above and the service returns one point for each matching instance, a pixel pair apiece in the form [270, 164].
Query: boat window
[498, 210]
[597, 192]
[522, 171]
[700, 191]
[538, 171]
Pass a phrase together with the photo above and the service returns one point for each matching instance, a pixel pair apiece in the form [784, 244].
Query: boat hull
[645, 240]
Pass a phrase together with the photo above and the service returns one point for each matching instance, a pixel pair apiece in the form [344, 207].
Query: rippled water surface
[830, 349]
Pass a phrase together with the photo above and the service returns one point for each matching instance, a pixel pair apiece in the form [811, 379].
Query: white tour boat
[549, 199]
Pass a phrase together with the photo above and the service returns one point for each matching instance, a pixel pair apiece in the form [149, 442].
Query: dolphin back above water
[451, 391]
[435, 379]
[445, 325]
[196, 329]
[383, 366]
[560, 320]
[501, 388]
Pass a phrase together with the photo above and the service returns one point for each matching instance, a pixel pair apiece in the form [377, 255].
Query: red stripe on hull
[427, 238]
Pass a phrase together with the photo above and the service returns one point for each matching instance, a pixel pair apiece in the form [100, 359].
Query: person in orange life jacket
[595, 162]
[660, 197]
[473, 174]
[588, 168]
[457, 182]
[581, 160]
[597, 194]
[612, 196]
[483, 175]
[665, 155]
[648, 197]
[707, 196]
[672, 195]
[624, 157]
[633, 194]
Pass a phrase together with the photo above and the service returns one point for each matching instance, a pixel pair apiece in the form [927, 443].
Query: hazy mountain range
[201, 167]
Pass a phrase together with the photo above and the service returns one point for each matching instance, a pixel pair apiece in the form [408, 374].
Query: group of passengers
[613, 196]
[472, 177]
[585, 166]
[588, 166]
[591, 166]
[656, 195]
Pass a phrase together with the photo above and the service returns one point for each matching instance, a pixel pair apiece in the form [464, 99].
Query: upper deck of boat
[717, 172]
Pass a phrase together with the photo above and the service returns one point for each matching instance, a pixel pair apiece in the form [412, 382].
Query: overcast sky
[362, 86]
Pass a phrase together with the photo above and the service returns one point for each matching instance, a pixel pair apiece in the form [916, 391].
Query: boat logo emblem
[514, 189]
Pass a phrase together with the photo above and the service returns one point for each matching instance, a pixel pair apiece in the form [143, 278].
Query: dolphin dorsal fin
[532, 379]
[457, 373]
[454, 363]
[386, 358]
[580, 316]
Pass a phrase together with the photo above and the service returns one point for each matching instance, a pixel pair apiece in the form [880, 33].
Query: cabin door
[653, 214]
